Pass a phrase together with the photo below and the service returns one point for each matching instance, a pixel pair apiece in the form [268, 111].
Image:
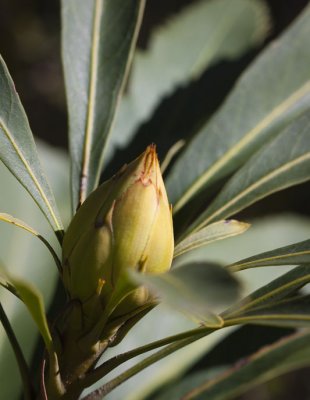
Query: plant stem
[116, 361]
[20, 224]
[182, 339]
[22, 365]
[53, 253]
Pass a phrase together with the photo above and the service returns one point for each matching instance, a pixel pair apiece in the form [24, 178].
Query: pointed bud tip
[150, 157]
[150, 166]
[124, 223]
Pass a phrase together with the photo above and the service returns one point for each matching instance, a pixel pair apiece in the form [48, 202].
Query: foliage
[256, 143]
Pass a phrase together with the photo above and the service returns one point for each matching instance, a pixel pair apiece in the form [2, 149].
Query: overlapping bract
[125, 224]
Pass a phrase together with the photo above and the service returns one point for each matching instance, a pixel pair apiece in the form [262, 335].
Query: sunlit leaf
[292, 312]
[269, 94]
[18, 151]
[276, 290]
[217, 231]
[97, 44]
[210, 31]
[281, 163]
[21, 224]
[28, 259]
[297, 253]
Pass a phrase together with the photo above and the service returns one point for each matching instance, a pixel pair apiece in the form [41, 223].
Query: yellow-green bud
[125, 224]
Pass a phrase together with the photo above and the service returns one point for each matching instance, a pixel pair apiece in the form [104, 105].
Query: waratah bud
[125, 224]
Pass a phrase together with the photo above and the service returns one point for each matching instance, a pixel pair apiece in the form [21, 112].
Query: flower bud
[124, 224]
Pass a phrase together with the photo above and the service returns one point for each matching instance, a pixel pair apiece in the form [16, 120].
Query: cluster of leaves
[256, 143]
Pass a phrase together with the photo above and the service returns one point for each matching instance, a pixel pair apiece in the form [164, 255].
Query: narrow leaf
[171, 153]
[33, 300]
[97, 45]
[175, 390]
[217, 231]
[195, 289]
[297, 253]
[269, 94]
[28, 260]
[18, 151]
[274, 291]
[21, 362]
[21, 224]
[282, 163]
[210, 31]
[285, 355]
[293, 313]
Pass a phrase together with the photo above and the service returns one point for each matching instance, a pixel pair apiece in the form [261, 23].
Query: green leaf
[265, 233]
[21, 224]
[210, 31]
[281, 357]
[19, 356]
[297, 253]
[33, 300]
[281, 163]
[274, 291]
[195, 289]
[270, 93]
[217, 231]
[97, 45]
[18, 150]
[291, 312]
[187, 383]
[27, 258]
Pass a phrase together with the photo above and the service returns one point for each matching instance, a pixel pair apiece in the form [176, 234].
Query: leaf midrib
[93, 77]
[262, 317]
[247, 138]
[236, 267]
[256, 185]
[268, 295]
[180, 249]
[30, 172]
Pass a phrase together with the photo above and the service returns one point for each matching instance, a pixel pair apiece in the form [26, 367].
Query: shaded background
[30, 45]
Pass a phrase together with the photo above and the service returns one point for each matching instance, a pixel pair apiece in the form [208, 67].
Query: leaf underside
[98, 39]
[18, 151]
[270, 93]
